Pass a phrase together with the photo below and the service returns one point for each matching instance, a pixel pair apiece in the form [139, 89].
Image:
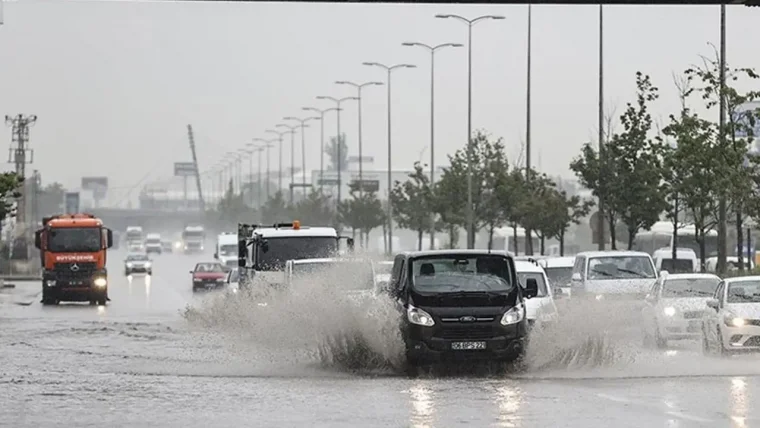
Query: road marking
[676, 414]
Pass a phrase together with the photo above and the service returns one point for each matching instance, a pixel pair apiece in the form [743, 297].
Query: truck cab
[73, 256]
[263, 251]
[193, 239]
[153, 243]
[227, 249]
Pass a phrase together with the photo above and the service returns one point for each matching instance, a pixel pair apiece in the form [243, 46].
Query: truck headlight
[669, 311]
[419, 317]
[100, 282]
[513, 316]
[50, 283]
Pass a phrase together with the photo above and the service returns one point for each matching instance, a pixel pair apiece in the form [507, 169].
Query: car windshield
[538, 276]
[296, 248]
[350, 274]
[690, 287]
[559, 276]
[456, 273]
[743, 292]
[677, 265]
[75, 239]
[209, 267]
[620, 267]
[137, 257]
[228, 250]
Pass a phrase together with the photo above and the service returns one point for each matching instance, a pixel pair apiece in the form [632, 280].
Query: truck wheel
[102, 302]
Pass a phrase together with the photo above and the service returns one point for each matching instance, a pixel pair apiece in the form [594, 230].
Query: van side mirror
[713, 303]
[216, 256]
[38, 239]
[264, 246]
[350, 244]
[531, 288]
[576, 277]
[109, 238]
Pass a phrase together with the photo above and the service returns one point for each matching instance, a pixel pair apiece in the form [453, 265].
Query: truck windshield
[453, 273]
[228, 250]
[283, 249]
[192, 235]
[75, 239]
[134, 236]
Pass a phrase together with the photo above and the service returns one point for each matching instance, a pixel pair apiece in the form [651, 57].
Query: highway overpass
[118, 219]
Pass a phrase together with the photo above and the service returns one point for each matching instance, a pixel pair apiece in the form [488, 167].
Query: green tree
[736, 136]
[413, 203]
[514, 196]
[489, 171]
[331, 150]
[362, 213]
[537, 211]
[276, 209]
[10, 185]
[566, 210]
[316, 209]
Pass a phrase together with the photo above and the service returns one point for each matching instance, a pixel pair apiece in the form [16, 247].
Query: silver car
[138, 263]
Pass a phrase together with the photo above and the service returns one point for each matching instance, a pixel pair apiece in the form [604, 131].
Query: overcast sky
[115, 83]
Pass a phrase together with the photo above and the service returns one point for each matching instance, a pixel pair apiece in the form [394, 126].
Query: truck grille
[64, 270]
[474, 332]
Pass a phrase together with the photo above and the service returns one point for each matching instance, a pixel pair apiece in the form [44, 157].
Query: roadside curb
[20, 278]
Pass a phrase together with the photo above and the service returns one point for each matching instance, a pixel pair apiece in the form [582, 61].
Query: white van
[686, 260]
[540, 308]
[227, 249]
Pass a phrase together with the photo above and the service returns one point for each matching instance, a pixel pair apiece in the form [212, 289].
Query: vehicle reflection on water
[739, 402]
[423, 407]
[508, 399]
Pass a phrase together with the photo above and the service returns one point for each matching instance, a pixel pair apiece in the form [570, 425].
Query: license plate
[468, 346]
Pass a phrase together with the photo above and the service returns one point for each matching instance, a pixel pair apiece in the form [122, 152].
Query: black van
[460, 305]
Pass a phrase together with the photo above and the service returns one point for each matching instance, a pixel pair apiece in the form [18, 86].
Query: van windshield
[677, 265]
[455, 273]
[620, 267]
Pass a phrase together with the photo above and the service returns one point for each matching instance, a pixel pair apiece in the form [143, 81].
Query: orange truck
[73, 256]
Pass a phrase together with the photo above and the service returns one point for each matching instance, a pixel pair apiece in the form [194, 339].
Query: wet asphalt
[138, 363]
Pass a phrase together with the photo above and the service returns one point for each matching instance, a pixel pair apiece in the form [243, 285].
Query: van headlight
[100, 282]
[419, 317]
[513, 316]
[669, 311]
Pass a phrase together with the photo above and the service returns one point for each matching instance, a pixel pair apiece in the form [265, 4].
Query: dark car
[460, 305]
[208, 276]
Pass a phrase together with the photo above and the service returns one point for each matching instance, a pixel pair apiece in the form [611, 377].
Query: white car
[541, 308]
[233, 281]
[675, 307]
[732, 321]
[559, 270]
[616, 275]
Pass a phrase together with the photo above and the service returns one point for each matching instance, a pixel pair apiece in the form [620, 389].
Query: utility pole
[722, 247]
[201, 202]
[528, 166]
[601, 223]
[20, 125]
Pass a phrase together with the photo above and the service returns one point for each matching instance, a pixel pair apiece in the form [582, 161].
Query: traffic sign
[184, 169]
[71, 202]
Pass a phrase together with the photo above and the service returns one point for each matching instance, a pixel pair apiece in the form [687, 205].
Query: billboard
[184, 169]
[71, 202]
[98, 186]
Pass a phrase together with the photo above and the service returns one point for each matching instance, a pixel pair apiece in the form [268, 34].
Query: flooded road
[139, 363]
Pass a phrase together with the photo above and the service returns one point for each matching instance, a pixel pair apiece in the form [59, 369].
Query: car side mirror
[576, 277]
[713, 303]
[531, 288]
[109, 238]
[191, 272]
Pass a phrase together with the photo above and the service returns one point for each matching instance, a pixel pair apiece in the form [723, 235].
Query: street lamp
[303, 146]
[279, 138]
[322, 140]
[470, 23]
[389, 69]
[292, 130]
[339, 161]
[359, 98]
[254, 149]
[432, 50]
[268, 144]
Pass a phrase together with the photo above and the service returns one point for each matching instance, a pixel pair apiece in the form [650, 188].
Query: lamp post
[359, 87]
[268, 144]
[302, 121]
[257, 149]
[250, 152]
[432, 50]
[322, 140]
[470, 23]
[279, 171]
[292, 130]
[389, 69]
[339, 166]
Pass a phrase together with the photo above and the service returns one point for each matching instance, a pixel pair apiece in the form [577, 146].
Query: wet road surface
[138, 363]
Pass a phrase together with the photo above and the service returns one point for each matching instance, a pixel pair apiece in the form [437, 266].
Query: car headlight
[148, 265]
[197, 279]
[733, 321]
[129, 265]
[419, 317]
[100, 282]
[599, 297]
[669, 311]
[513, 316]
[220, 280]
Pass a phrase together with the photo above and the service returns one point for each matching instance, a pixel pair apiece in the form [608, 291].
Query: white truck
[227, 249]
[193, 239]
[153, 243]
[263, 251]
[134, 239]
